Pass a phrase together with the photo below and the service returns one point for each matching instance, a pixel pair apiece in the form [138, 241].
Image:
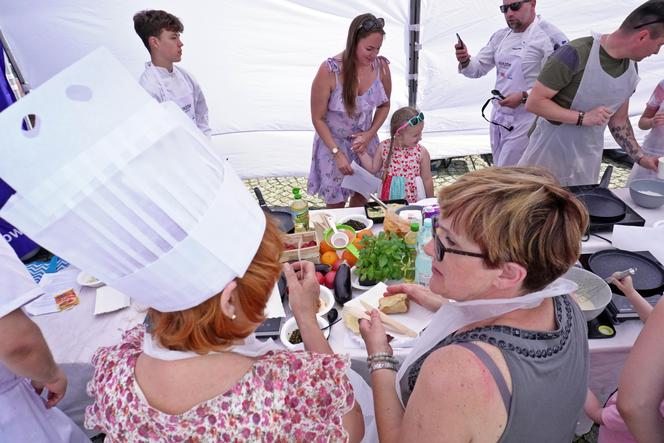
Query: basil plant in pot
[381, 258]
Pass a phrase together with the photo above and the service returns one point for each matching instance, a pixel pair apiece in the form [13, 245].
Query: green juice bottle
[409, 261]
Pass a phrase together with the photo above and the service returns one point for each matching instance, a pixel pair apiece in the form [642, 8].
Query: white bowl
[593, 294]
[85, 279]
[290, 325]
[647, 193]
[357, 217]
[326, 301]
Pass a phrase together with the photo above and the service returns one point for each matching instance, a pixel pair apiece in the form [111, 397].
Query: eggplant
[342, 290]
[283, 286]
[323, 269]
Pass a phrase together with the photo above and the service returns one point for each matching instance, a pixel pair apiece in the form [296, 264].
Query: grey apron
[574, 153]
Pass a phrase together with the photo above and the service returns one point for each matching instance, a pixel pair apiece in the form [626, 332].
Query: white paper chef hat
[126, 188]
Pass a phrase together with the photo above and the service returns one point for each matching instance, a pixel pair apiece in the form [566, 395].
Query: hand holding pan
[602, 205]
[649, 280]
[284, 219]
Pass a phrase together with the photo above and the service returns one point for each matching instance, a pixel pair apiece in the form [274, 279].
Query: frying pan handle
[259, 196]
[606, 177]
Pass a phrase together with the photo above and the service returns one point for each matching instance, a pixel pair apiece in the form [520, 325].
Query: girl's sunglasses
[413, 121]
[513, 6]
[441, 249]
[373, 24]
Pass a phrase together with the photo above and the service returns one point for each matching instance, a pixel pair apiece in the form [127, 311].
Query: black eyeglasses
[509, 128]
[441, 249]
[659, 20]
[373, 24]
[513, 6]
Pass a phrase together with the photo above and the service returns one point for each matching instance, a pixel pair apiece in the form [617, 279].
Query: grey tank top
[549, 372]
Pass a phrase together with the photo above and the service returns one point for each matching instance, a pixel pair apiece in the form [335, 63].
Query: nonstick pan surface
[649, 277]
[284, 219]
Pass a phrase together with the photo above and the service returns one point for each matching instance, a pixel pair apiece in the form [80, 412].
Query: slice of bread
[393, 304]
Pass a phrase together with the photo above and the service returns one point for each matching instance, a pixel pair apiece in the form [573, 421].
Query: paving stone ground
[277, 191]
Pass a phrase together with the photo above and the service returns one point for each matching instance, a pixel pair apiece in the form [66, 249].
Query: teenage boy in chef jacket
[160, 33]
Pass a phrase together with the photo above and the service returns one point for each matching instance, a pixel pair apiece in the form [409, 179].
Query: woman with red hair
[199, 375]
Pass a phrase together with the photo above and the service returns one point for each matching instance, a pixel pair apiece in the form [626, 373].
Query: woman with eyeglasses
[507, 359]
[405, 164]
[350, 100]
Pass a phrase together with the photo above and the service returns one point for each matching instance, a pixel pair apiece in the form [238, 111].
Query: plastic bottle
[409, 262]
[423, 261]
[300, 210]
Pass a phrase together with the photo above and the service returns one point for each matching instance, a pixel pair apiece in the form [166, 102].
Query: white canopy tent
[255, 61]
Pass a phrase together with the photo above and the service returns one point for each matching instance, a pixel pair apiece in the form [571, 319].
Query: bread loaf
[393, 304]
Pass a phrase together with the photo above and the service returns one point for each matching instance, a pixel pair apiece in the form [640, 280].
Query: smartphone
[496, 93]
[460, 41]
[269, 328]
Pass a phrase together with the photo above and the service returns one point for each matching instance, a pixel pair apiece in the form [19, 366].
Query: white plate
[355, 280]
[357, 217]
[326, 301]
[290, 325]
[85, 279]
[427, 202]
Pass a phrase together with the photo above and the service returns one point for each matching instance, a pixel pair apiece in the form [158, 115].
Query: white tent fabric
[255, 61]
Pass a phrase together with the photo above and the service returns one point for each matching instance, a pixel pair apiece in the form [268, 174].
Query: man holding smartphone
[518, 53]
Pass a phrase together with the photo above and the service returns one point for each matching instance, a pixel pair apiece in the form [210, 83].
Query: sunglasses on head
[659, 20]
[413, 121]
[513, 6]
[441, 249]
[373, 24]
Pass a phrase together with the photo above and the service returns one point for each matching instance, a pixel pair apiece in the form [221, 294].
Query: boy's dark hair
[650, 16]
[151, 22]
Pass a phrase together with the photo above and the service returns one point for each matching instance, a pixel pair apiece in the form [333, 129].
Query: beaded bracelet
[374, 366]
[378, 356]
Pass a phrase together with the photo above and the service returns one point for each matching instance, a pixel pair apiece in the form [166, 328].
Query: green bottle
[300, 211]
[409, 261]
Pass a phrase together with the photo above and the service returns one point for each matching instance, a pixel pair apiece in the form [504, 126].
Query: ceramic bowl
[85, 279]
[647, 193]
[593, 294]
[368, 223]
[290, 325]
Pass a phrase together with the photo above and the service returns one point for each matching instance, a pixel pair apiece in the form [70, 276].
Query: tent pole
[414, 47]
[12, 61]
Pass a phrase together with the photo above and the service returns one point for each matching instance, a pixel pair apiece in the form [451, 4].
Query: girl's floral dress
[402, 172]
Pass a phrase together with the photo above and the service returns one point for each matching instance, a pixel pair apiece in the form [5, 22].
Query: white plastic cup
[660, 169]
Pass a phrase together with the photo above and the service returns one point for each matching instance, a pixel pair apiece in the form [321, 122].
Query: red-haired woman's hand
[303, 288]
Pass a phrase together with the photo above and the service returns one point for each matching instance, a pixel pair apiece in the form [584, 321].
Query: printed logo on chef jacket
[186, 108]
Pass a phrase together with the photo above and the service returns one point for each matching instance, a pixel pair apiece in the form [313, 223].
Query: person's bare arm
[593, 408]
[647, 121]
[321, 88]
[641, 306]
[623, 134]
[641, 384]
[372, 164]
[455, 400]
[25, 352]
[425, 172]
[540, 102]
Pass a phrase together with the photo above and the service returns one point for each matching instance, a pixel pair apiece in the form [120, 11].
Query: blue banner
[23, 246]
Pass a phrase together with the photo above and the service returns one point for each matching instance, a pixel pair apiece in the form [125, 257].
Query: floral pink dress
[405, 163]
[285, 396]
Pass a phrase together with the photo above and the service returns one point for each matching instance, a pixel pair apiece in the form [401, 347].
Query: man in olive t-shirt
[569, 140]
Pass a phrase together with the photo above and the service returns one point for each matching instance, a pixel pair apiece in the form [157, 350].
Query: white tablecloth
[74, 335]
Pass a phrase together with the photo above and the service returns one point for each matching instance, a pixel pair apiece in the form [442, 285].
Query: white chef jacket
[543, 40]
[180, 87]
[23, 414]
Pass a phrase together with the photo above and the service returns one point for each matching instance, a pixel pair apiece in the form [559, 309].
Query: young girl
[612, 427]
[405, 165]
[653, 119]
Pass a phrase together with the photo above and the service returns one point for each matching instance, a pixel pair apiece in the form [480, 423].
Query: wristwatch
[335, 150]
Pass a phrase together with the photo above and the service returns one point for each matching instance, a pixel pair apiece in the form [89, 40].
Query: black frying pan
[602, 205]
[649, 277]
[284, 219]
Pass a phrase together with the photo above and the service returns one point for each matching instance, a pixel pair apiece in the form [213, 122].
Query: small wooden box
[310, 253]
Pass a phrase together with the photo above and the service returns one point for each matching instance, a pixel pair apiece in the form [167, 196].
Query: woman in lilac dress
[346, 91]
